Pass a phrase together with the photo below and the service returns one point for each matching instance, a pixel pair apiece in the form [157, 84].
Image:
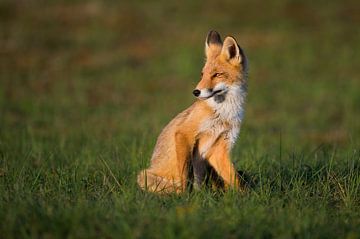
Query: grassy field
[86, 87]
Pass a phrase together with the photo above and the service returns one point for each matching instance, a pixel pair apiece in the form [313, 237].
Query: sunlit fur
[209, 126]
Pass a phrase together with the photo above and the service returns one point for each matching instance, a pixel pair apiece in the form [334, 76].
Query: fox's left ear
[231, 51]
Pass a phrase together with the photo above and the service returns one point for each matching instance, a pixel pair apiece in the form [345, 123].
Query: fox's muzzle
[203, 94]
[208, 93]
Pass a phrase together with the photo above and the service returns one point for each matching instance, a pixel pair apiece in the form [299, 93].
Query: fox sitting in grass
[201, 137]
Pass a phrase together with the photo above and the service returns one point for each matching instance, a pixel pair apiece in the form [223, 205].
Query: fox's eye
[201, 74]
[217, 75]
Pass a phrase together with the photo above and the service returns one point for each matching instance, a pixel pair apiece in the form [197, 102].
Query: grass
[85, 88]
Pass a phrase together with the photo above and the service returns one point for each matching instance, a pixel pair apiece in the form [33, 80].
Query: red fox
[204, 133]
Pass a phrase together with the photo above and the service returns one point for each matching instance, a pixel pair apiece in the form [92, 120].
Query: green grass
[85, 88]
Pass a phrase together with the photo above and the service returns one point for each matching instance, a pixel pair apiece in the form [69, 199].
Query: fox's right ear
[213, 44]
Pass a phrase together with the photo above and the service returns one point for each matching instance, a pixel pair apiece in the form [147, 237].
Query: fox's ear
[213, 44]
[231, 51]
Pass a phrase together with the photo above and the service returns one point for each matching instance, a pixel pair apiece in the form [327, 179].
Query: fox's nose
[196, 93]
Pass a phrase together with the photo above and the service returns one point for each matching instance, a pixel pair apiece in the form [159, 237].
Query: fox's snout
[206, 93]
[203, 94]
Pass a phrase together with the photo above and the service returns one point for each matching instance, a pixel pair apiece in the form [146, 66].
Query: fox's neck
[230, 107]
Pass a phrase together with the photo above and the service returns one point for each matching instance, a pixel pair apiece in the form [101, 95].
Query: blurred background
[87, 86]
[99, 70]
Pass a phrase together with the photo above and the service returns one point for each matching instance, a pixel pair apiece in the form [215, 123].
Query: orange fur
[209, 126]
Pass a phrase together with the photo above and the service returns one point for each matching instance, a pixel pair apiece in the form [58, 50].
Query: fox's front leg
[219, 158]
[183, 152]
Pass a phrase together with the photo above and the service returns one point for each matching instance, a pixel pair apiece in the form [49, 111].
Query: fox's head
[224, 69]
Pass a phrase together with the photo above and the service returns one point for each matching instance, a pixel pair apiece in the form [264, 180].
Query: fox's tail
[148, 181]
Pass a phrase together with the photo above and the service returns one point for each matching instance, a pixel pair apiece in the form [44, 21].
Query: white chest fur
[227, 117]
